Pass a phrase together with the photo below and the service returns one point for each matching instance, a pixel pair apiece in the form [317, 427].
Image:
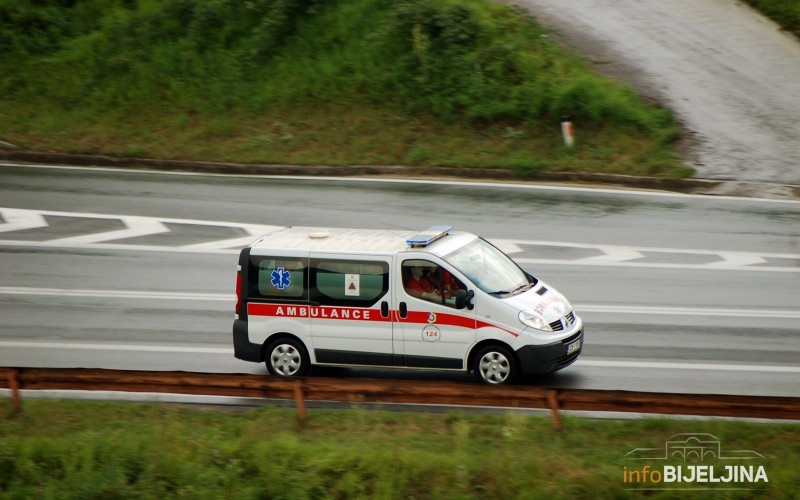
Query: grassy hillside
[419, 82]
[84, 450]
[784, 12]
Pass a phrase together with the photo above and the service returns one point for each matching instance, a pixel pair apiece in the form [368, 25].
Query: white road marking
[245, 226]
[664, 365]
[120, 246]
[597, 363]
[220, 244]
[717, 266]
[253, 230]
[507, 246]
[613, 254]
[739, 259]
[19, 219]
[626, 256]
[688, 311]
[117, 294]
[610, 255]
[580, 308]
[620, 249]
[117, 347]
[137, 226]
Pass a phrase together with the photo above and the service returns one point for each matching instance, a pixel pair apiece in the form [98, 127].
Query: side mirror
[464, 299]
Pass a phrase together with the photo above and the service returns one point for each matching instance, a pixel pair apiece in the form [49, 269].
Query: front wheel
[287, 358]
[495, 365]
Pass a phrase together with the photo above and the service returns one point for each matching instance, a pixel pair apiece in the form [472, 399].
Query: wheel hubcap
[285, 360]
[494, 367]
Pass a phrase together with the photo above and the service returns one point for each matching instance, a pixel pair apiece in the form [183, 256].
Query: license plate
[575, 346]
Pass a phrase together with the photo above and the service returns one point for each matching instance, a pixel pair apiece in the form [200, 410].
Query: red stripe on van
[362, 314]
[438, 319]
[483, 324]
[322, 312]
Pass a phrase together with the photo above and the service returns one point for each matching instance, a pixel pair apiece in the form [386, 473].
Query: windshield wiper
[521, 288]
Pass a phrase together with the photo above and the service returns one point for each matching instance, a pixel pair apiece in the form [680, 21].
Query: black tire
[495, 365]
[287, 357]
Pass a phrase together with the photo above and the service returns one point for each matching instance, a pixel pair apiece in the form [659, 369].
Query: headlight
[530, 318]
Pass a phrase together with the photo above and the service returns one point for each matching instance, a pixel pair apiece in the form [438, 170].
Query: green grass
[70, 449]
[411, 82]
[784, 12]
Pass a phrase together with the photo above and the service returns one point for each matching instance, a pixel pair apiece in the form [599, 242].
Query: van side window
[354, 283]
[278, 278]
[428, 281]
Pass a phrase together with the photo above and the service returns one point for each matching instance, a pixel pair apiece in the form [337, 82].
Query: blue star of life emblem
[281, 278]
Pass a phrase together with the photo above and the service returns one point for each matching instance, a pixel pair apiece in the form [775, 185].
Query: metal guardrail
[396, 391]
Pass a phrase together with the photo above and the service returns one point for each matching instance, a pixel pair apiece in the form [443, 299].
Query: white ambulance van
[440, 299]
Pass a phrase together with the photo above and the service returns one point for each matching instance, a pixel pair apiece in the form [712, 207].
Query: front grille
[568, 321]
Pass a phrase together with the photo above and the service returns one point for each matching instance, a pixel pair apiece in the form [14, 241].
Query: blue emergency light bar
[428, 236]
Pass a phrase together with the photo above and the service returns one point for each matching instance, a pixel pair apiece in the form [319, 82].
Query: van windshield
[490, 269]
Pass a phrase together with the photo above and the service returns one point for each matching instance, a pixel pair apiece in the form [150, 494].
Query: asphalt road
[135, 270]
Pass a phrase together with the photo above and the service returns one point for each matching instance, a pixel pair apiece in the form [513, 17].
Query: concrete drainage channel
[711, 187]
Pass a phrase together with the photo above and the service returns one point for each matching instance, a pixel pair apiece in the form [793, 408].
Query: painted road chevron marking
[716, 266]
[136, 226]
[18, 219]
[524, 251]
[624, 256]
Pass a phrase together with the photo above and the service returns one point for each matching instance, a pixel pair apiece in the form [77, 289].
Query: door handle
[384, 309]
[403, 310]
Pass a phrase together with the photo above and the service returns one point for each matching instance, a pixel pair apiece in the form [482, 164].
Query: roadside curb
[696, 186]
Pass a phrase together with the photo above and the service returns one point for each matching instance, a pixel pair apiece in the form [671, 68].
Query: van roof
[342, 240]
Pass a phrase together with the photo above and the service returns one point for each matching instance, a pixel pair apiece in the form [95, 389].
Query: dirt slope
[730, 75]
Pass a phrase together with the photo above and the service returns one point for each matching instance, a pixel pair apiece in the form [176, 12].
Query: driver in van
[442, 282]
[418, 286]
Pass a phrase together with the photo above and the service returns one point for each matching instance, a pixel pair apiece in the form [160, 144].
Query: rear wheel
[287, 358]
[495, 365]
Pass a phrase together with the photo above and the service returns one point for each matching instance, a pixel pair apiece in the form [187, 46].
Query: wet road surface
[135, 270]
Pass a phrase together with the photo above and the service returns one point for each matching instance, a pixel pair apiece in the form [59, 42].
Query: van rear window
[278, 278]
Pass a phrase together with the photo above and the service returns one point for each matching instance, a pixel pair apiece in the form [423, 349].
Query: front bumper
[548, 358]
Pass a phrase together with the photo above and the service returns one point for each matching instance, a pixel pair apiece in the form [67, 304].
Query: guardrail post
[552, 400]
[13, 384]
[299, 399]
